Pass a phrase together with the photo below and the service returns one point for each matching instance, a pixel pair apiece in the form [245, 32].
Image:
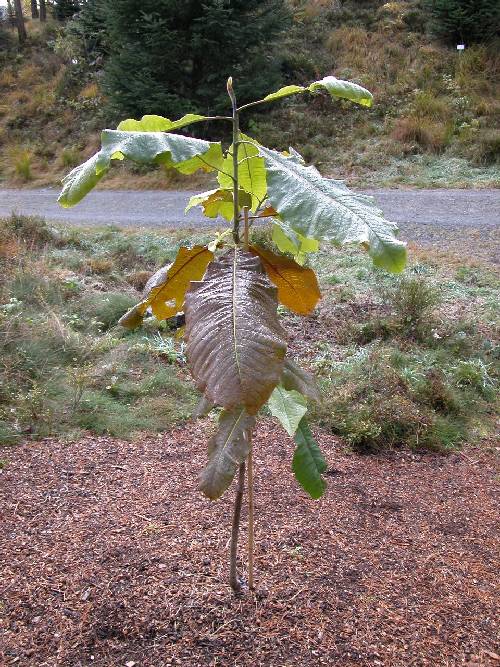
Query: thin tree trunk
[250, 515]
[43, 11]
[233, 575]
[34, 9]
[21, 28]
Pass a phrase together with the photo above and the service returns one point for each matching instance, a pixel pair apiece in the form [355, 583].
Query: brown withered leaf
[226, 450]
[235, 343]
[297, 285]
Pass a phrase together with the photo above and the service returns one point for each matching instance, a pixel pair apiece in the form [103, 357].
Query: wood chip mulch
[111, 557]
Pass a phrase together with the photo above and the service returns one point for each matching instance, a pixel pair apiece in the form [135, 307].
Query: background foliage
[435, 121]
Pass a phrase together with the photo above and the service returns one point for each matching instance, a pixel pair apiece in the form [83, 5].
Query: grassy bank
[401, 361]
[434, 122]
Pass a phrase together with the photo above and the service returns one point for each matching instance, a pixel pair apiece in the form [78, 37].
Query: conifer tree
[464, 21]
[167, 56]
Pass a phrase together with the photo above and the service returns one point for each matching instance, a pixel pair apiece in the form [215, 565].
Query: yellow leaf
[133, 317]
[167, 298]
[297, 286]
[268, 212]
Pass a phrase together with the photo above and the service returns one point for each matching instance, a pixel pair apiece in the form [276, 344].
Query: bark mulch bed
[111, 557]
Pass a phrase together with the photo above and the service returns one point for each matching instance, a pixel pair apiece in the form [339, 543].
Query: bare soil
[112, 557]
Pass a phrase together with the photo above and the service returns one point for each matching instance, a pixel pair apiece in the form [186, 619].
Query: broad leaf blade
[226, 450]
[183, 153]
[346, 90]
[298, 287]
[308, 463]
[235, 344]
[322, 208]
[288, 407]
[152, 123]
[294, 377]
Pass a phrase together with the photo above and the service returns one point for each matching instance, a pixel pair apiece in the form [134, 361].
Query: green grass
[65, 365]
[407, 360]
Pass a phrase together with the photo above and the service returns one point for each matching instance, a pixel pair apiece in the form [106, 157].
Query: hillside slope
[435, 121]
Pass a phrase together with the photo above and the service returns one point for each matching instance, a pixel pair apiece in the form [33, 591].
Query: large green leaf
[308, 463]
[251, 171]
[235, 343]
[226, 450]
[184, 153]
[288, 407]
[294, 377]
[322, 208]
[153, 123]
[346, 90]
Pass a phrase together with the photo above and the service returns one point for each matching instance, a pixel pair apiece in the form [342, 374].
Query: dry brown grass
[428, 134]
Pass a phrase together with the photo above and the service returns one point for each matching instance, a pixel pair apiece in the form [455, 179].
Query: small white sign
[460, 47]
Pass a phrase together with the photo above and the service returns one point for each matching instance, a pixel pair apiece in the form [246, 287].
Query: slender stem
[250, 515]
[252, 104]
[216, 118]
[245, 232]
[236, 130]
[233, 575]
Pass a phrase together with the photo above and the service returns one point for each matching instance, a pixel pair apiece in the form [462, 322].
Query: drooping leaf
[80, 181]
[346, 90]
[339, 88]
[165, 290]
[288, 407]
[322, 208]
[235, 344]
[152, 123]
[251, 171]
[308, 463]
[294, 377]
[298, 287]
[183, 153]
[226, 450]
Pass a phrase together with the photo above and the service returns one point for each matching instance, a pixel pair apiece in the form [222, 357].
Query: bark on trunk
[34, 9]
[43, 11]
[21, 28]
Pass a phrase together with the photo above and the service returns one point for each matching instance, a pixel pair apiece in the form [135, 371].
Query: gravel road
[418, 212]
[155, 208]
